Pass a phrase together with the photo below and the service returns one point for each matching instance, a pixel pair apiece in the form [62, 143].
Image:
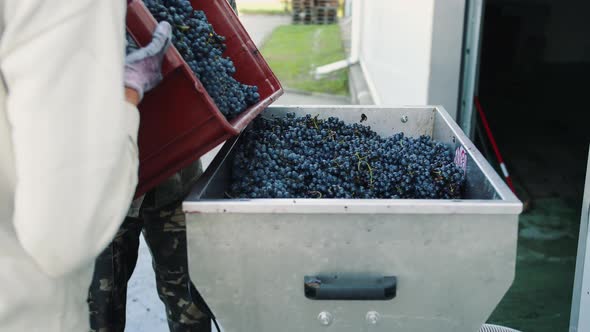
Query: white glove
[143, 67]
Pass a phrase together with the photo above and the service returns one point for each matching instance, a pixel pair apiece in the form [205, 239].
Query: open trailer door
[580, 317]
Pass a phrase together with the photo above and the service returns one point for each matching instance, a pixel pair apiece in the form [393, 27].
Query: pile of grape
[305, 157]
[202, 50]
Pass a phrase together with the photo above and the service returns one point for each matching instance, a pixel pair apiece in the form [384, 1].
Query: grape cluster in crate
[202, 49]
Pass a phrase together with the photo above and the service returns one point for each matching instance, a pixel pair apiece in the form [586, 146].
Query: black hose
[202, 305]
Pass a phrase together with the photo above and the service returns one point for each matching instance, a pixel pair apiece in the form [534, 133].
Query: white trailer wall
[411, 51]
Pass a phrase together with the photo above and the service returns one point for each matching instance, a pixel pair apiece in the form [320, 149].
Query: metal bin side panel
[482, 182]
[452, 269]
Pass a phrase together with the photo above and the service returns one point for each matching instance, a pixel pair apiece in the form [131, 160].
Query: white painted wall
[411, 51]
[446, 52]
[395, 49]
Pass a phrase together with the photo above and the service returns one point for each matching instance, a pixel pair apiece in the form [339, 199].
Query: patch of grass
[294, 51]
[263, 8]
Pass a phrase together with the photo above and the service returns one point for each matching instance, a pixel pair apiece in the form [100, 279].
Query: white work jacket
[68, 155]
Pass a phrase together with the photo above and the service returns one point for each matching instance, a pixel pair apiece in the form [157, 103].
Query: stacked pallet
[315, 11]
[326, 3]
[302, 11]
[325, 15]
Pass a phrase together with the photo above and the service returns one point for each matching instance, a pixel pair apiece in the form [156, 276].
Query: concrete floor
[261, 26]
[297, 98]
[145, 311]
[552, 171]
[544, 139]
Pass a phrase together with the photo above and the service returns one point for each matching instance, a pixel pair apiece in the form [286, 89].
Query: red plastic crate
[179, 120]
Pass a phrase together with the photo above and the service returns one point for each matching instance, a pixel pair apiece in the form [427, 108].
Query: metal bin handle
[353, 289]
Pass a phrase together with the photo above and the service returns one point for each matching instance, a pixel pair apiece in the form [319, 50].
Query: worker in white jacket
[68, 154]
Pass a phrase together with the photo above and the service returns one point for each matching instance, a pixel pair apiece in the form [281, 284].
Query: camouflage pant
[165, 233]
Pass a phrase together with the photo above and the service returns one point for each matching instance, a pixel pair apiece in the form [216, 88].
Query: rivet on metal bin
[373, 317]
[404, 119]
[325, 318]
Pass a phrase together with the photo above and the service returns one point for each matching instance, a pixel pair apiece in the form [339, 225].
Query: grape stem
[315, 121]
[331, 135]
[315, 192]
[363, 160]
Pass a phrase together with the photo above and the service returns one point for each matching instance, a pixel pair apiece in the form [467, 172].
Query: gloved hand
[143, 67]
